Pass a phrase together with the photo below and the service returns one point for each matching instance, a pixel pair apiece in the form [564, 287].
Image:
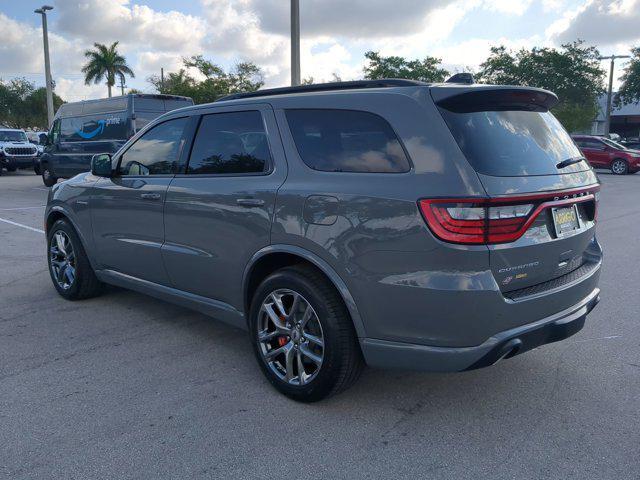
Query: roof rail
[323, 87]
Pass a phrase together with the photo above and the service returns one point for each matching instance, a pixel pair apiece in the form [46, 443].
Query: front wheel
[48, 178]
[70, 270]
[619, 167]
[303, 336]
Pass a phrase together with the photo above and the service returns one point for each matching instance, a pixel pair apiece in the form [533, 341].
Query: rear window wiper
[569, 161]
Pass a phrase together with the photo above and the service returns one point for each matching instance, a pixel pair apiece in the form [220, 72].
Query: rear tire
[12, 169]
[47, 177]
[69, 267]
[619, 167]
[330, 354]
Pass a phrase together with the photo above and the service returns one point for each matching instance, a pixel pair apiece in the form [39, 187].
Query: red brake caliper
[282, 341]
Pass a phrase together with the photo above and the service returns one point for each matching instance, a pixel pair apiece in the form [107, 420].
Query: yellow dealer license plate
[565, 220]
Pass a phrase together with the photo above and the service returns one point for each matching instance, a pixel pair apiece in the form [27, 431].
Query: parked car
[632, 143]
[39, 139]
[347, 224]
[604, 153]
[15, 150]
[82, 129]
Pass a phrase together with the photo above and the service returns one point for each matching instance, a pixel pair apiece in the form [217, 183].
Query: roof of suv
[451, 93]
[445, 90]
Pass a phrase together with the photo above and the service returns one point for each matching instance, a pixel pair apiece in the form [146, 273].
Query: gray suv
[390, 223]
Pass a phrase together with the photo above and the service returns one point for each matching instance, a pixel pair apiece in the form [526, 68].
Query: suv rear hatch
[539, 215]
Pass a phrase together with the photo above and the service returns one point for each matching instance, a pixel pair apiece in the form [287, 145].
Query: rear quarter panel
[404, 281]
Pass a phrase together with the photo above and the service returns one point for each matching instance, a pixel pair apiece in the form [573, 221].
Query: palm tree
[105, 63]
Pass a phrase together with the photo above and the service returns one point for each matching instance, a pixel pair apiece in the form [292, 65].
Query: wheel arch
[275, 257]
[58, 213]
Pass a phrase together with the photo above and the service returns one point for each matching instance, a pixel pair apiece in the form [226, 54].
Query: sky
[335, 34]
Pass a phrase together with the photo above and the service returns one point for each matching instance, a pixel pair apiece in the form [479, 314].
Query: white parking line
[20, 208]
[37, 230]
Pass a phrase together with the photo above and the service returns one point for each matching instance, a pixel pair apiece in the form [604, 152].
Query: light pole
[47, 65]
[295, 42]
[607, 124]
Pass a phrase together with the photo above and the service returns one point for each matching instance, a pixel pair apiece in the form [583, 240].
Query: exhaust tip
[509, 349]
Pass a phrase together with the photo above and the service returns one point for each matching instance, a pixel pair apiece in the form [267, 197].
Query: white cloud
[74, 90]
[21, 49]
[106, 21]
[513, 7]
[351, 19]
[601, 22]
[335, 34]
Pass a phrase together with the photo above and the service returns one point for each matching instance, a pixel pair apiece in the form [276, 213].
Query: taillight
[492, 220]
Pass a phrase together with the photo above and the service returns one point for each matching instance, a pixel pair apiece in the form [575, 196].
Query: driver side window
[157, 152]
[55, 132]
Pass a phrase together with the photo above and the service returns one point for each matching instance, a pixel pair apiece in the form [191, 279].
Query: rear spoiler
[490, 98]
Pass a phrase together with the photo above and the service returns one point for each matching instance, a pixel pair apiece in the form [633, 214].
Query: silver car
[389, 223]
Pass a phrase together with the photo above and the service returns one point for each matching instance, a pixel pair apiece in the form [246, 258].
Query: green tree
[105, 63]
[572, 72]
[629, 91]
[426, 70]
[244, 77]
[24, 106]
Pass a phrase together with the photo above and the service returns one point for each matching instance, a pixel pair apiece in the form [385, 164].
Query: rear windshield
[513, 143]
[614, 144]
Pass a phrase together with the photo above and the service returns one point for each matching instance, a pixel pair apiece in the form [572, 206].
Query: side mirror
[101, 165]
[44, 139]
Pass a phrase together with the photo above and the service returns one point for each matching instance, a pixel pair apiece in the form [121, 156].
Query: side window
[346, 141]
[593, 144]
[157, 152]
[142, 118]
[230, 143]
[54, 136]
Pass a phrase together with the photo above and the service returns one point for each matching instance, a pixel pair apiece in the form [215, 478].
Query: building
[625, 120]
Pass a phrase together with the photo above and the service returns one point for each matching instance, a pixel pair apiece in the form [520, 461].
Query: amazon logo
[99, 129]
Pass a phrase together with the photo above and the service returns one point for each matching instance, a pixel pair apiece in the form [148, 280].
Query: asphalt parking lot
[126, 386]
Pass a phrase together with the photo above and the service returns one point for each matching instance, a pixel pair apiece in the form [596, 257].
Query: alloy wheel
[63, 260]
[619, 167]
[290, 337]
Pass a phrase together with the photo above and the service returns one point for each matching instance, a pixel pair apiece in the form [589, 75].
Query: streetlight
[47, 66]
[607, 125]
[295, 42]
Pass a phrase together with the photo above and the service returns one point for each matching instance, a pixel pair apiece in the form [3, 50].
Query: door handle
[250, 202]
[150, 196]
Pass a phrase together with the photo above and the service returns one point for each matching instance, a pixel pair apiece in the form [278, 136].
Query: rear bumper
[506, 344]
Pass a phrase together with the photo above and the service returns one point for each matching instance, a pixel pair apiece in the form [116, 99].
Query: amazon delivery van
[82, 129]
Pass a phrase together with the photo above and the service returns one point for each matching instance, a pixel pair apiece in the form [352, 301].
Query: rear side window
[511, 143]
[592, 144]
[157, 152]
[230, 143]
[143, 118]
[346, 141]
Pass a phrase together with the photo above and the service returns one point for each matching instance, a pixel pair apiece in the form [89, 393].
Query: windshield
[513, 143]
[12, 136]
[613, 144]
